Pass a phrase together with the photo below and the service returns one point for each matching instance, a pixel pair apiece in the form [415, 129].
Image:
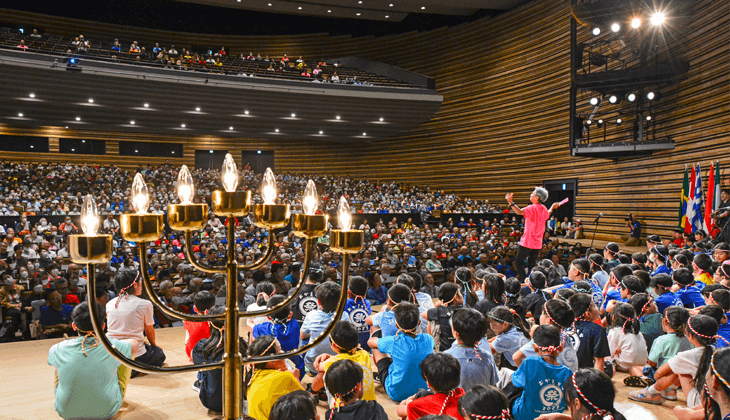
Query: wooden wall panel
[503, 125]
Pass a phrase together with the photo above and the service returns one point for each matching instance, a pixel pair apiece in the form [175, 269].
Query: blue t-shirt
[473, 370]
[591, 341]
[404, 374]
[386, 322]
[357, 312]
[662, 269]
[50, 316]
[567, 357]
[508, 343]
[691, 296]
[543, 384]
[288, 336]
[724, 332]
[378, 296]
[314, 324]
[666, 300]
[613, 294]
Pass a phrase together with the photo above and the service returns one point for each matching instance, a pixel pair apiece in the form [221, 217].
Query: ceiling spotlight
[146, 105]
[136, 151]
[182, 125]
[329, 11]
[173, 152]
[337, 117]
[657, 18]
[613, 99]
[648, 117]
[615, 27]
[245, 112]
[589, 122]
[78, 118]
[269, 4]
[210, 151]
[364, 134]
[83, 141]
[595, 101]
[358, 14]
[20, 115]
[230, 128]
[390, 5]
[600, 123]
[31, 146]
[321, 132]
[386, 16]
[631, 97]
[635, 23]
[360, 2]
[32, 95]
[619, 121]
[650, 96]
[73, 150]
[293, 115]
[66, 126]
[423, 7]
[300, 8]
[91, 101]
[131, 122]
[197, 109]
[381, 119]
[276, 131]
[596, 31]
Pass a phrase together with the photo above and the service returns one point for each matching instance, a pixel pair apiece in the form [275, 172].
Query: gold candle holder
[346, 241]
[141, 227]
[271, 216]
[85, 249]
[234, 204]
[309, 226]
[187, 217]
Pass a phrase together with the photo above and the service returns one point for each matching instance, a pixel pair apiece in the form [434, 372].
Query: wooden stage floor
[28, 384]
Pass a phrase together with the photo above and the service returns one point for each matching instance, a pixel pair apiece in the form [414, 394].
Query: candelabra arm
[159, 303]
[191, 257]
[313, 343]
[102, 338]
[308, 244]
[258, 264]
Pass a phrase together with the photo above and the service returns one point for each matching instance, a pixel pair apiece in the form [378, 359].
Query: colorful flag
[690, 213]
[698, 222]
[683, 199]
[710, 206]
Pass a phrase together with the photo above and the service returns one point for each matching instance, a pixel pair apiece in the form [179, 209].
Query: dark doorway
[259, 160]
[210, 159]
[559, 190]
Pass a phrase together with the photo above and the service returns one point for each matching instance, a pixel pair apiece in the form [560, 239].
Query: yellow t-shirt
[362, 358]
[266, 387]
[705, 278]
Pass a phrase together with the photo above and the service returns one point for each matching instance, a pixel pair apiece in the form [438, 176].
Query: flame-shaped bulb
[310, 200]
[268, 187]
[140, 195]
[344, 217]
[89, 216]
[185, 186]
[229, 174]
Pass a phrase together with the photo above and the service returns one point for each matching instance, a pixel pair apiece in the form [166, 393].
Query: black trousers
[522, 253]
[153, 357]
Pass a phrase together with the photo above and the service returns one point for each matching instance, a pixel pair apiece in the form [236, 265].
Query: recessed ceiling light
[381, 120]
[364, 134]
[83, 141]
[386, 16]
[20, 115]
[358, 14]
[197, 109]
[31, 146]
[211, 151]
[269, 4]
[337, 117]
[391, 5]
[78, 118]
[360, 2]
[66, 126]
[230, 128]
[73, 150]
[173, 152]
[321, 132]
[277, 130]
[329, 11]
[293, 115]
[131, 122]
[182, 125]
[32, 95]
[91, 101]
[300, 8]
[245, 112]
[136, 151]
[146, 105]
[423, 7]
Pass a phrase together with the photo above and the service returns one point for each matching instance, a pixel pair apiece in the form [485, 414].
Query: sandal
[635, 381]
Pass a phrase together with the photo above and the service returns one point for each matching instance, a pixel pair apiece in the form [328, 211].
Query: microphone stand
[595, 222]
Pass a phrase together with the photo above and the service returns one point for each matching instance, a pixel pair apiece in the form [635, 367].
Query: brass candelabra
[142, 227]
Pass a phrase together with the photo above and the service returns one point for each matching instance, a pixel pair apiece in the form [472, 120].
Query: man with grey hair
[536, 216]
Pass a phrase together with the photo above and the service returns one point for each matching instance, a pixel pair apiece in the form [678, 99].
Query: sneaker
[669, 394]
[644, 396]
[196, 386]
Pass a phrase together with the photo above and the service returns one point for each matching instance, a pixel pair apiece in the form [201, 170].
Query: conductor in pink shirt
[536, 216]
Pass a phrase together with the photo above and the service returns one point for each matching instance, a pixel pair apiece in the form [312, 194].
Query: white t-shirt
[128, 319]
[258, 319]
[631, 348]
[685, 363]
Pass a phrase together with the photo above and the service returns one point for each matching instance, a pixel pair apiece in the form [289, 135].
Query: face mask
[268, 275]
[36, 265]
[24, 274]
[177, 300]
[54, 272]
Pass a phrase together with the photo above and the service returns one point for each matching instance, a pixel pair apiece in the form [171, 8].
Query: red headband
[599, 411]
[503, 416]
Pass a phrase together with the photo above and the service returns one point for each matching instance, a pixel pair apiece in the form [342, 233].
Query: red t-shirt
[72, 300]
[194, 332]
[536, 216]
[432, 405]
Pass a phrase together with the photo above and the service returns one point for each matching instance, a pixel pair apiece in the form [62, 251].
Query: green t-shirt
[651, 328]
[666, 347]
[88, 386]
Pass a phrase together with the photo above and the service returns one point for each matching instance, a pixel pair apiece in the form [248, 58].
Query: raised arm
[512, 205]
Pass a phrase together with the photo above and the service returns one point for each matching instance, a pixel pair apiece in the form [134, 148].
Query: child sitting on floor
[689, 291]
[357, 308]
[625, 341]
[589, 395]
[484, 402]
[477, 366]
[685, 367]
[196, 331]
[511, 335]
[297, 405]
[439, 318]
[649, 317]
[716, 313]
[442, 373]
[284, 328]
[399, 373]
[328, 296]
[664, 348]
[591, 338]
[265, 382]
[344, 341]
[662, 285]
[541, 378]
[559, 314]
[385, 320]
[344, 381]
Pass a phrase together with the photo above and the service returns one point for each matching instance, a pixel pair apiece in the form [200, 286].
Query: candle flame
[344, 216]
[310, 200]
[229, 174]
[140, 195]
[185, 186]
[89, 216]
[268, 187]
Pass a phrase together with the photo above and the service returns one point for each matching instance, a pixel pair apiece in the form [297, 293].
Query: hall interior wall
[503, 125]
